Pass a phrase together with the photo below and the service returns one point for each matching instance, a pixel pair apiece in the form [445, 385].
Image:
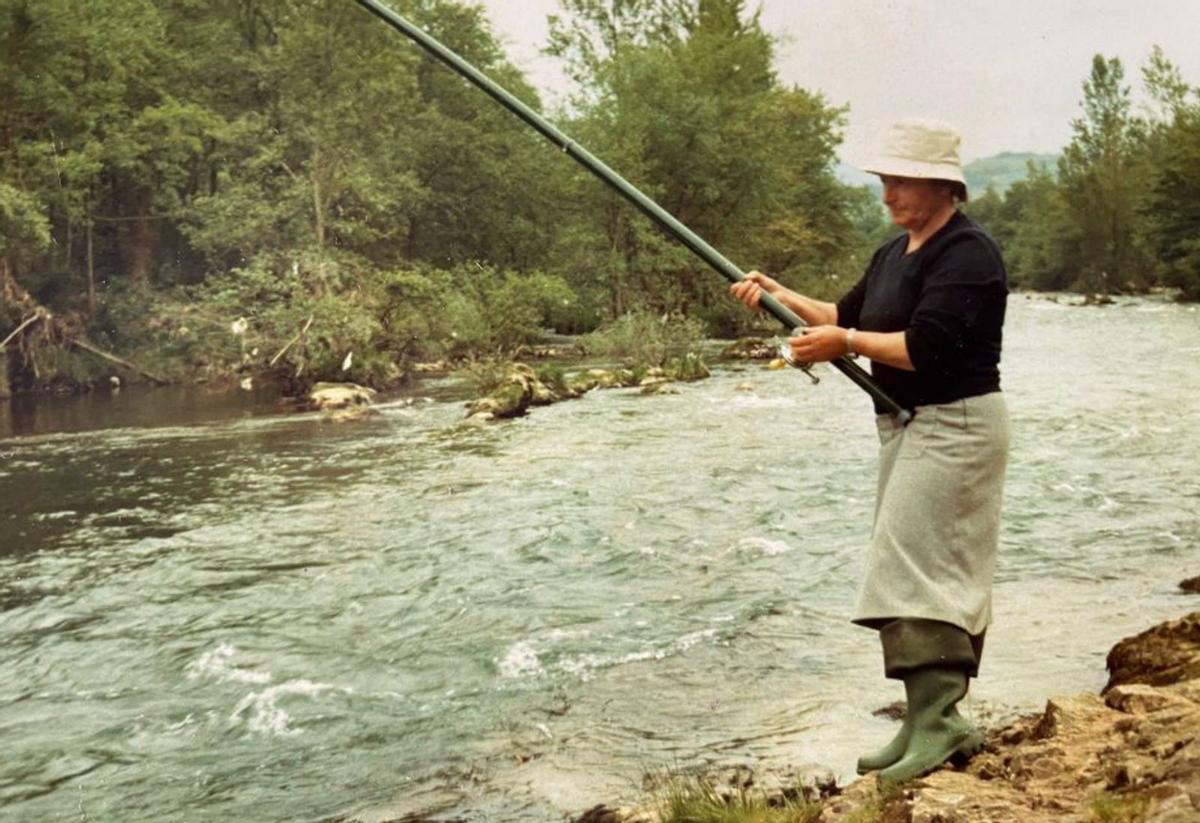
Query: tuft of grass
[554, 378]
[697, 800]
[687, 368]
[1118, 808]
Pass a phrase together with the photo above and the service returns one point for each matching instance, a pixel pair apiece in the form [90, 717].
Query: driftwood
[37, 315]
[12, 292]
[292, 342]
[79, 342]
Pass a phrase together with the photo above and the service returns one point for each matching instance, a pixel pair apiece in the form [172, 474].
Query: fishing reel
[785, 351]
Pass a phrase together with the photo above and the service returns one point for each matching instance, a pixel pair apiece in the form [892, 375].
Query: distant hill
[998, 171]
[1002, 170]
[854, 177]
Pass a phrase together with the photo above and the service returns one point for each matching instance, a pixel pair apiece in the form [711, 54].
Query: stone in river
[333, 396]
[1167, 653]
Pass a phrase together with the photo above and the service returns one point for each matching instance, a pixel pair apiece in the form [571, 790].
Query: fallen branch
[112, 358]
[292, 342]
[37, 315]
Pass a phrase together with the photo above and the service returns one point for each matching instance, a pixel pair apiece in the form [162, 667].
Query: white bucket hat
[919, 148]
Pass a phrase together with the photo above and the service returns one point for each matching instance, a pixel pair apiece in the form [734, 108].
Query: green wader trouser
[935, 660]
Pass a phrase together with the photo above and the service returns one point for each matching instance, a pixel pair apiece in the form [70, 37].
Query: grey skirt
[937, 515]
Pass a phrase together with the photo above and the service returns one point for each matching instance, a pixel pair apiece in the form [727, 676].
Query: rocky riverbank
[521, 387]
[1130, 753]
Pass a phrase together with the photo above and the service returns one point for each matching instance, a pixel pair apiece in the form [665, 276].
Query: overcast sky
[1008, 73]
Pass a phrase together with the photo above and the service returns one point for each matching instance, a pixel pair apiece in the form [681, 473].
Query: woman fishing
[928, 315]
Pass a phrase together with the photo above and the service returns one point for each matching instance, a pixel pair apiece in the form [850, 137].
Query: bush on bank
[645, 339]
[298, 322]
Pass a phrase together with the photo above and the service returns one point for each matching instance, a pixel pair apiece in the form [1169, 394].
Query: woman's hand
[750, 290]
[819, 344]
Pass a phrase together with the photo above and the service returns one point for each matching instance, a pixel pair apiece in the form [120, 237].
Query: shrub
[645, 339]
[1118, 808]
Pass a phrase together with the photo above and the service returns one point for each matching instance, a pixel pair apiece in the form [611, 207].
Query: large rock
[519, 390]
[334, 396]
[1167, 653]
[751, 348]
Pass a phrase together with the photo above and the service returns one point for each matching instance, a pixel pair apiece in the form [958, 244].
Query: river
[212, 610]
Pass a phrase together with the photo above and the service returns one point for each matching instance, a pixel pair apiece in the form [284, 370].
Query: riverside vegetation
[285, 189]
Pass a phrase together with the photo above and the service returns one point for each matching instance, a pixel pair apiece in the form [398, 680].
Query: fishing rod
[623, 187]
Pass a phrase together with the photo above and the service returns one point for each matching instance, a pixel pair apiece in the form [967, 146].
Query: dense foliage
[172, 170]
[1121, 212]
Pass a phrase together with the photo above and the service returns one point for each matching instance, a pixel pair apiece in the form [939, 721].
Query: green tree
[1034, 223]
[1102, 177]
[1171, 206]
[682, 98]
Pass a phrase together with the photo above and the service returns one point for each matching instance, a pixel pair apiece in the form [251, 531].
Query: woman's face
[912, 201]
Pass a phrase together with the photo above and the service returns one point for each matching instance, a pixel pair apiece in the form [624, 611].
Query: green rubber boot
[890, 753]
[937, 732]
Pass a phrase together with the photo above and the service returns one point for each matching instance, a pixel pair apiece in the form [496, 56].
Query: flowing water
[237, 614]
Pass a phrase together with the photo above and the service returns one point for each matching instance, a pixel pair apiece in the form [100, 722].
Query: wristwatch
[850, 352]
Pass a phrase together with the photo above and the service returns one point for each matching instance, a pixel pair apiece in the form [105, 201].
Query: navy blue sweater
[948, 297]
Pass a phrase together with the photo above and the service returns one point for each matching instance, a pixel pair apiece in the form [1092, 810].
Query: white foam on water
[63, 515]
[260, 710]
[583, 665]
[266, 716]
[689, 640]
[768, 547]
[182, 724]
[520, 660]
[216, 664]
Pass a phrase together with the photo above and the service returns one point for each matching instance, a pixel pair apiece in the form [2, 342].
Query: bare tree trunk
[318, 206]
[143, 236]
[91, 271]
[80, 343]
[5, 386]
[319, 220]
